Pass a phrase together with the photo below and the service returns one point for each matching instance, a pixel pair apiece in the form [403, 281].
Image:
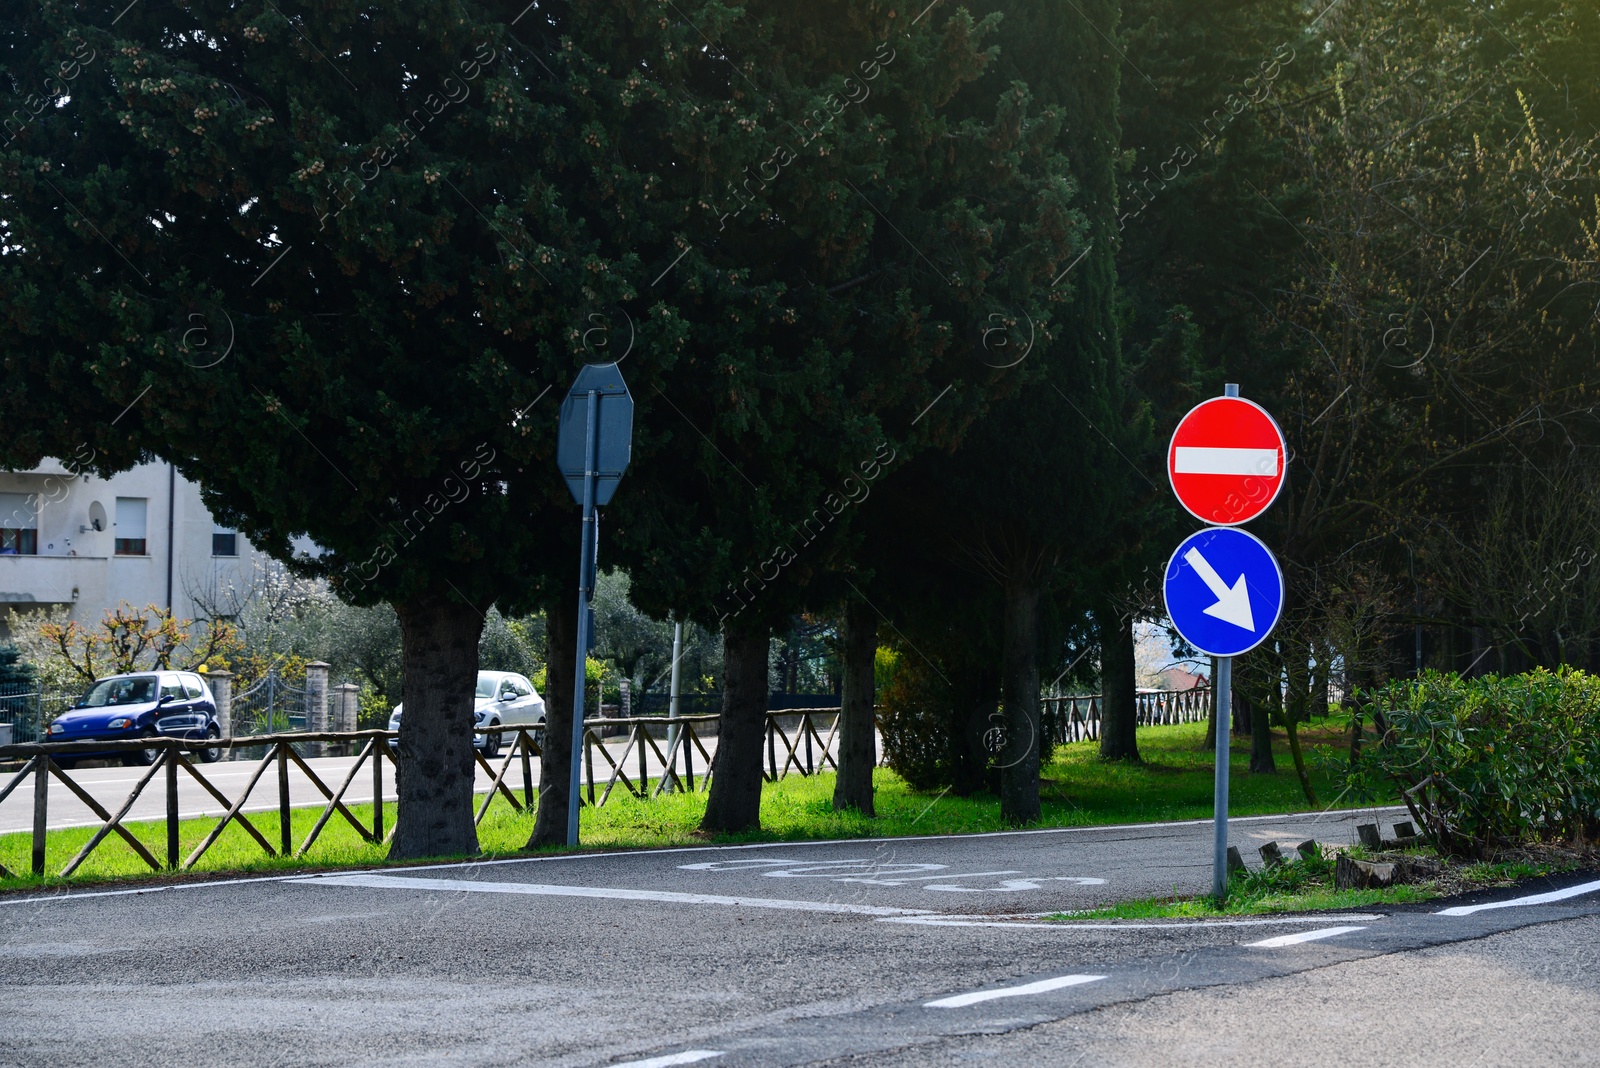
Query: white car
[501, 697]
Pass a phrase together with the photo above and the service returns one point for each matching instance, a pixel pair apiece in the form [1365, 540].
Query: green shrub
[372, 710]
[931, 737]
[1489, 760]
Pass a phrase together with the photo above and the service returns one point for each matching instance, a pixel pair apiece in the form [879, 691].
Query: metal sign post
[672, 704]
[1219, 797]
[586, 562]
[593, 445]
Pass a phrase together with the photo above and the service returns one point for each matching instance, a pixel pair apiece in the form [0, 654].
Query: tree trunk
[439, 656]
[858, 735]
[1019, 757]
[1319, 681]
[734, 802]
[555, 757]
[1211, 719]
[1261, 762]
[1119, 711]
[1294, 709]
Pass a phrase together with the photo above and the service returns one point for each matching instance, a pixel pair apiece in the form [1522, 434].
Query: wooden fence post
[527, 769]
[41, 797]
[588, 759]
[172, 806]
[684, 740]
[284, 831]
[377, 785]
[807, 730]
[643, 766]
[772, 751]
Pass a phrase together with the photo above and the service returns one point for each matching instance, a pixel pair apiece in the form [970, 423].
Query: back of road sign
[614, 415]
[1224, 591]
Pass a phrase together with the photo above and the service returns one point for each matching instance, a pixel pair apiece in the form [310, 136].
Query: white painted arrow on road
[1233, 604]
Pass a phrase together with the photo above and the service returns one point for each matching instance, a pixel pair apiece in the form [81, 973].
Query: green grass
[1172, 783]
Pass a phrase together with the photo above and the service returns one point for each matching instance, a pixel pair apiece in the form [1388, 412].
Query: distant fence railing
[26, 709]
[1077, 719]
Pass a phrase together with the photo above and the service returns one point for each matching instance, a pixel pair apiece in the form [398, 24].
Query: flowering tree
[132, 639]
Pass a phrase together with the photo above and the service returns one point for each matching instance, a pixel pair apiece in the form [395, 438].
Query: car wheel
[538, 735]
[214, 754]
[491, 743]
[143, 758]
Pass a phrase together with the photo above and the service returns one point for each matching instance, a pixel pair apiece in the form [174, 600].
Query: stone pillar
[221, 683]
[317, 702]
[346, 700]
[626, 687]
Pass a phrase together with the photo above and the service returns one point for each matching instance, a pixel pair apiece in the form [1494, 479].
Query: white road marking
[1532, 899]
[830, 869]
[1073, 925]
[1193, 460]
[471, 886]
[925, 878]
[878, 873]
[688, 1056]
[1030, 883]
[1301, 936]
[961, 1001]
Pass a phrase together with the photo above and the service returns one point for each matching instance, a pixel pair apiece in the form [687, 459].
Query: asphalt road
[111, 785]
[896, 952]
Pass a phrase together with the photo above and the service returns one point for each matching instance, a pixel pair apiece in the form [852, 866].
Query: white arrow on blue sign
[1224, 591]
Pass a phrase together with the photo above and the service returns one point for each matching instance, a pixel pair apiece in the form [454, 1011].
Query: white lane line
[688, 1056]
[1074, 925]
[961, 1001]
[1300, 936]
[1532, 899]
[401, 882]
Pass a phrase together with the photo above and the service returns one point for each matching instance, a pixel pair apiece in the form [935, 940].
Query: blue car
[172, 704]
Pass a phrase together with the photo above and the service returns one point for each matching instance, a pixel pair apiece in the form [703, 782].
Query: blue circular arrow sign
[1224, 591]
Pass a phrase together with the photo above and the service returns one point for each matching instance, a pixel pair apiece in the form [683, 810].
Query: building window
[224, 541]
[19, 524]
[130, 526]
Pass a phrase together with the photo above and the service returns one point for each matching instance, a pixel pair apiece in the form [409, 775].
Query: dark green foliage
[15, 673]
[930, 737]
[869, 267]
[1487, 761]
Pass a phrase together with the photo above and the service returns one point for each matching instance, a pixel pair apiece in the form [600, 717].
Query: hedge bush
[1486, 761]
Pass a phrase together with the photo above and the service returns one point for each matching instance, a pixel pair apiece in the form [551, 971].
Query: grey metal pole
[1219, 859]
[585, 569]
[672, 704]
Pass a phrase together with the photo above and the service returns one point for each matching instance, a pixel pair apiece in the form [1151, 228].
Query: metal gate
[271, 705]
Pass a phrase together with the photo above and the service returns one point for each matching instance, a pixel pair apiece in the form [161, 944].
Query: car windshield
[133, 690]
[486, 684]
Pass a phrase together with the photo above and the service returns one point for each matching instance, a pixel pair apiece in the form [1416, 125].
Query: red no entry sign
[1226, 461]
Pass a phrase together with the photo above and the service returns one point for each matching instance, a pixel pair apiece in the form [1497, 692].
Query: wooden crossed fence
[674, 769]
[794, 732]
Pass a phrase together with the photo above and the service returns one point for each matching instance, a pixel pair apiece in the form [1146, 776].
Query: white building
[89, 543]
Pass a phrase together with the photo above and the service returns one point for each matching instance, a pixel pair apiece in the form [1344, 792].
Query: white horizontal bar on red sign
[1190, 460]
